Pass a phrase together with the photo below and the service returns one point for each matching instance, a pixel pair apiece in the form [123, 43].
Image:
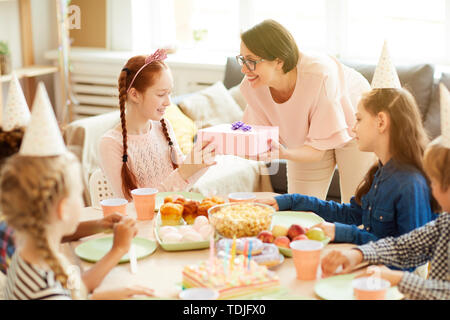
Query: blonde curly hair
[31, 188]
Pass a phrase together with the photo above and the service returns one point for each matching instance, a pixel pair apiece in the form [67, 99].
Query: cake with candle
[241, 278]
[239, 139]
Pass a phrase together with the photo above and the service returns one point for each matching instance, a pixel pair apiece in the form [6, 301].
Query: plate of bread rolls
[182, 223]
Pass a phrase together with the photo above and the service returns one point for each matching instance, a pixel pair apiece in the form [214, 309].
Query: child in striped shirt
[41, 200]
[430, 243]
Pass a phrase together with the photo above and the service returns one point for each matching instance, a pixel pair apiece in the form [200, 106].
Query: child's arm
[88, 228]
[124, 232]
[348, 213]
[110, 160]
[409, 250]
[418, 288]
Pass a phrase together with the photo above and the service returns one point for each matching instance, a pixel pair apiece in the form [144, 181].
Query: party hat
[445, 115]
[15, 113]
[42, 137]
[385, 75]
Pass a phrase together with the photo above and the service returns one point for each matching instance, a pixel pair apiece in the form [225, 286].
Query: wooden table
[161, 270]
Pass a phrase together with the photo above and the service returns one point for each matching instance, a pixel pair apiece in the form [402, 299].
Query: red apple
[282, 241]
[266, 236]
[300, 237]
[295, 230]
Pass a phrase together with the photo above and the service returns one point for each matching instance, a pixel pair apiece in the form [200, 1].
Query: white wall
[45, 37]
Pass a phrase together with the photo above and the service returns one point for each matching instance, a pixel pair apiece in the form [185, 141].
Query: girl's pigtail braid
[173, 156]
[128, 178]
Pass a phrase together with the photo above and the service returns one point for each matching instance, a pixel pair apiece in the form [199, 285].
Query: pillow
[433, 117]
[211, 106]
[183, 127]
[238, 97]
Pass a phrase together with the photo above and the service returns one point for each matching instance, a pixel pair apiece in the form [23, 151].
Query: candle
[245, 252]
[211, 251]
[225, 258]
[249, 254]
[233, 253]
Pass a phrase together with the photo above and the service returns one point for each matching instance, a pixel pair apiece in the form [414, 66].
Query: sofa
[419, 79]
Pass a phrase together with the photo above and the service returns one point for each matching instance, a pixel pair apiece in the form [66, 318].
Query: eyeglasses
[250, 64]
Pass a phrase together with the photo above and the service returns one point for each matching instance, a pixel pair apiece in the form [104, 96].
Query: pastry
[171, 214]
[172, 198]
[257, 245]
[215, 199]
[269, 256]
[190, 211]
[204, 207]
[200, 221]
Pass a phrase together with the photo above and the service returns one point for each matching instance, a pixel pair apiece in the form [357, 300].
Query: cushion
[183, 127]
[238, 97]
[233, 74]
[418, 79]
[211, 106]
[433, 117]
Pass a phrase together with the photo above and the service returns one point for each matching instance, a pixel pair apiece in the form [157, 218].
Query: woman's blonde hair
[436, 163]
[31, 187]
[407, 136]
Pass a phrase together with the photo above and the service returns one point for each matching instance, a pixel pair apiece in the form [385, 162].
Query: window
[350, 29]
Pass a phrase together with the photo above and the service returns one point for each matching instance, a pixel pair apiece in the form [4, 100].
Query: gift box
[239, 139]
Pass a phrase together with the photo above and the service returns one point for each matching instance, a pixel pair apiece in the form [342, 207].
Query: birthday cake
[243, 279]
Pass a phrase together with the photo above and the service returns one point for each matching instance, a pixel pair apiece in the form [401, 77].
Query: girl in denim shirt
[394, 197]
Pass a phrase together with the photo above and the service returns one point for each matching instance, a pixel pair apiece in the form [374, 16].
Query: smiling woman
[312, 99]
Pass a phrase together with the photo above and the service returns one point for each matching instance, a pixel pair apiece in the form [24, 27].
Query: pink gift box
[239, 142]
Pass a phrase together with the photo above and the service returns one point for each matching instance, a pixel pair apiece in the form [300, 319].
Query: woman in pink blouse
[312, 99]
[142, 151]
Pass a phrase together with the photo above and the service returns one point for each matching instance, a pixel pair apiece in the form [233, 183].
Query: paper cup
[199, 294]
[370, 288]
[144, 202]
[306, 254]
[241, 197]
[110, 206]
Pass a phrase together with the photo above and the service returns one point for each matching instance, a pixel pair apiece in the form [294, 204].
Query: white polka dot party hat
[445, 115]
[42, 137]
[385, 74]
[16, 113]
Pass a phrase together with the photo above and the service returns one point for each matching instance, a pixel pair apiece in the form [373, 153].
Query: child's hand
[202, 156]
[123, 293]
[124, 232]
[383, 272]
[270, 202]
[108, 222]
[328, 228]
[346, 259]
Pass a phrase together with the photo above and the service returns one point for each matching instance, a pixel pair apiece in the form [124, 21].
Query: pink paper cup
[306, 254]
[241, 197]
[370, 288]
[144, 202]
[110, 206]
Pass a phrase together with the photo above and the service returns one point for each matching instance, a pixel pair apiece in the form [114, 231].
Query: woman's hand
[270, 202]
[346, 259]
[275, 151]
[383, 272]
[202, 156]
[123, 293]
[124, 232]
[328, 228]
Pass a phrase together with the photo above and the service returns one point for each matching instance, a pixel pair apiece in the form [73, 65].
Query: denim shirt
[398, 201]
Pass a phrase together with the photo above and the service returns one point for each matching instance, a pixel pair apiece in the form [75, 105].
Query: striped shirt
[26, 282]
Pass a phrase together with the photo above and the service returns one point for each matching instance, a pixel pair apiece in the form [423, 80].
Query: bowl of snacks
[236, 219]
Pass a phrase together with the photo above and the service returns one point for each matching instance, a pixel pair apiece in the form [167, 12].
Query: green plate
[304, 219]
[340, 288]
[188, 195]
[179, 246]
[94, 250]
[288, 252]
